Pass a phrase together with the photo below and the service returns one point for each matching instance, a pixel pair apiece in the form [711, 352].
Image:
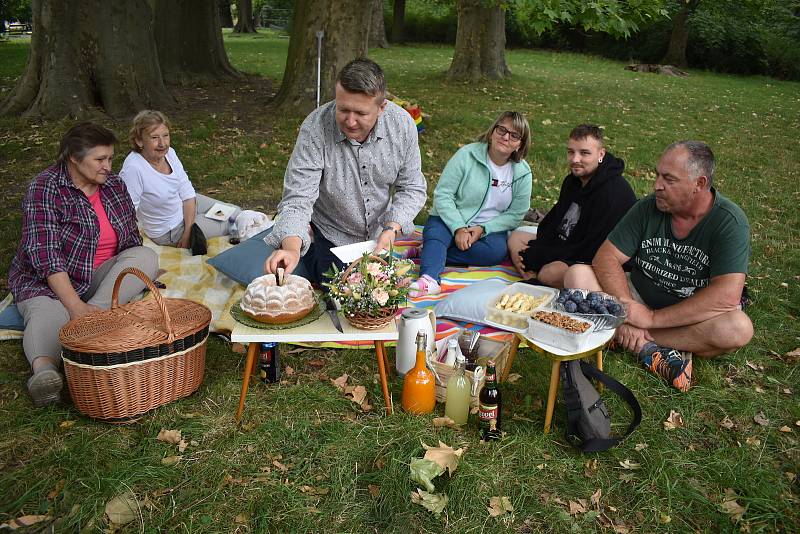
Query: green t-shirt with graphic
[667, 269]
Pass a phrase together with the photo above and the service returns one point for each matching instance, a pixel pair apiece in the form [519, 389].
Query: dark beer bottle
[490, 404]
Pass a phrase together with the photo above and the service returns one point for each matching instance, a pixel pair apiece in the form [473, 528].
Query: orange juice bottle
[419, 386]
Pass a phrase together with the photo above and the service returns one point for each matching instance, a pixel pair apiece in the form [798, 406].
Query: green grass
[227, 482]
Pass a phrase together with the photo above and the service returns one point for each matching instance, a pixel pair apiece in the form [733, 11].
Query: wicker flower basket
[123, 362]
[363, 320]
[372, 322]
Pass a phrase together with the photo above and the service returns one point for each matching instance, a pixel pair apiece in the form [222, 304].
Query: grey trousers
[44, 316]
[210, 227]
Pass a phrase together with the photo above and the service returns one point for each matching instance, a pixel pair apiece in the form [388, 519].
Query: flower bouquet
[370, 289]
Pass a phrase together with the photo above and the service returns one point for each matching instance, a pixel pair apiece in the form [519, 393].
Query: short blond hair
[143, 121]
[520, 124]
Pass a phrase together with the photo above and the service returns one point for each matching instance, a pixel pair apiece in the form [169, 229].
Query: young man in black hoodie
[593, 198]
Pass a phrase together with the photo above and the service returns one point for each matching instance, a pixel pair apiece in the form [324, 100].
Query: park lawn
[307, 459]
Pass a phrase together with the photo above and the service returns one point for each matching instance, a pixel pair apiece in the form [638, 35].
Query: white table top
[594, 341]
[320, 330]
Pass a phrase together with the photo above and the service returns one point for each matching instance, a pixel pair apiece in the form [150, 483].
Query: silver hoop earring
[600, 160]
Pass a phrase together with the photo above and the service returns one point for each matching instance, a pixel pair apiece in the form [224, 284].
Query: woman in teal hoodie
[484, 191]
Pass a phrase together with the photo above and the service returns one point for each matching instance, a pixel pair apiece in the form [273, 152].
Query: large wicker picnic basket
[123, 362]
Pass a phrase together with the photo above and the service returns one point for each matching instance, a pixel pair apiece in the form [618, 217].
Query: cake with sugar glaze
[267, 302]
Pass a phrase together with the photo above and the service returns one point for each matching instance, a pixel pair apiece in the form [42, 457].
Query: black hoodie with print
[582, 218]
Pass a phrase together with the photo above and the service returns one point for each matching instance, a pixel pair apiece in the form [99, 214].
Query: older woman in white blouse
[169, 210]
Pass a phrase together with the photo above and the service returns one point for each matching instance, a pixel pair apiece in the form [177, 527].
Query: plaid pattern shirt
[60, 232]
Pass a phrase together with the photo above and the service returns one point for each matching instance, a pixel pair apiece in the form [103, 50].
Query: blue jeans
[438, 248]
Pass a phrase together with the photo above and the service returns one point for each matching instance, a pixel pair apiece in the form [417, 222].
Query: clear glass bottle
[459, 387]
[453, 352]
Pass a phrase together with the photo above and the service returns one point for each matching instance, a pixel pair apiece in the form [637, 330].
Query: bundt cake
[267, 302]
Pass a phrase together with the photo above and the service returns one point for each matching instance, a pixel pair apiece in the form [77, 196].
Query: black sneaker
[197, 241]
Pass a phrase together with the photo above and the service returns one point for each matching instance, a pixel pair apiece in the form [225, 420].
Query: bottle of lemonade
[419, 386]
[456, 406]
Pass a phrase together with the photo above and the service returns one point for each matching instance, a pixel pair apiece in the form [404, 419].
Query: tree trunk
[346, 27]
[225, 18]
[399, 22]
[480, 43]
[245, 22]
[679, 39]
[377, 29]
[88, 57]
[189, 42]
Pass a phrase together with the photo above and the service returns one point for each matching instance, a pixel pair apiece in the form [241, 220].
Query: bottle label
[490, 377]
[487, 412]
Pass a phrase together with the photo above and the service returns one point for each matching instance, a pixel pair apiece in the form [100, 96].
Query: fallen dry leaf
[280, 466]
[626, 477]
[374, 490]
[358, 394]
[439, 422]
[241, 519]
[791, 477]
[288, 371]
[444, 455]
[576, 507]
[53, 493]
[182, 446]
[595, 498]
[628, 464]
[122, 509]
[590, 468]
[727, 423]
[760, 419]
[797, 423]
[171, 460]
[513, 377]
[785, 428]
[664, 519]
[621, 529]
[754, 366]
[499, 506]
[787, 391]
[731, 506]
[340, 382]
[673, 421]
[434, 502]
[65, 425]
[169, 436]
[793, 354]
[311, 490]
[759, 389]
[640, 446]
[753, 441]
[24, 521]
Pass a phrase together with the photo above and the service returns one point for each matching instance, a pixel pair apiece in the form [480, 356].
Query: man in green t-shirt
[690, 248]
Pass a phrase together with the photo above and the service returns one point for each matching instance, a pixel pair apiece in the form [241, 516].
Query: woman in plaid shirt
[78, 233]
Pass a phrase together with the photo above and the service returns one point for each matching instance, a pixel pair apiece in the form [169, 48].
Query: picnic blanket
[190, 277]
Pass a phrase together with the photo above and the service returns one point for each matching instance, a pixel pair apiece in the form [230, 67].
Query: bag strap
[572, 402]
[603, 444]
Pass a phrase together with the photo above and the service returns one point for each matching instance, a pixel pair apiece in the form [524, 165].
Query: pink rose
[380, 296]
[373, 268]
[404, 282]
[355, 278]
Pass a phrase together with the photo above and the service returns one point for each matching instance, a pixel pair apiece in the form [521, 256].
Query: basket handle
[153, 289]
[371, 257]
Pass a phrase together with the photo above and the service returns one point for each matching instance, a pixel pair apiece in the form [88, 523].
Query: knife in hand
[331, 307]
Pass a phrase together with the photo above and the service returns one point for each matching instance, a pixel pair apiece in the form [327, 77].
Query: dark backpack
[588, 422]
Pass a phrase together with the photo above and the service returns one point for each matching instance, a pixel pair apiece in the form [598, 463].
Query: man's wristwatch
[390, 227]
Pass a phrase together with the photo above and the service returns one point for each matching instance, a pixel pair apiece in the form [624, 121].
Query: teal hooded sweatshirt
[464, 186]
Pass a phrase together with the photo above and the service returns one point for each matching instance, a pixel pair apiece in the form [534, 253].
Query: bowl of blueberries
[603, 310]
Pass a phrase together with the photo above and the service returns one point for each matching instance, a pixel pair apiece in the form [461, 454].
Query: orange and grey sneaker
[670, 365]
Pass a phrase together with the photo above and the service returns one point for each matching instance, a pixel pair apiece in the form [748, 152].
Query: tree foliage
[615, 17]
